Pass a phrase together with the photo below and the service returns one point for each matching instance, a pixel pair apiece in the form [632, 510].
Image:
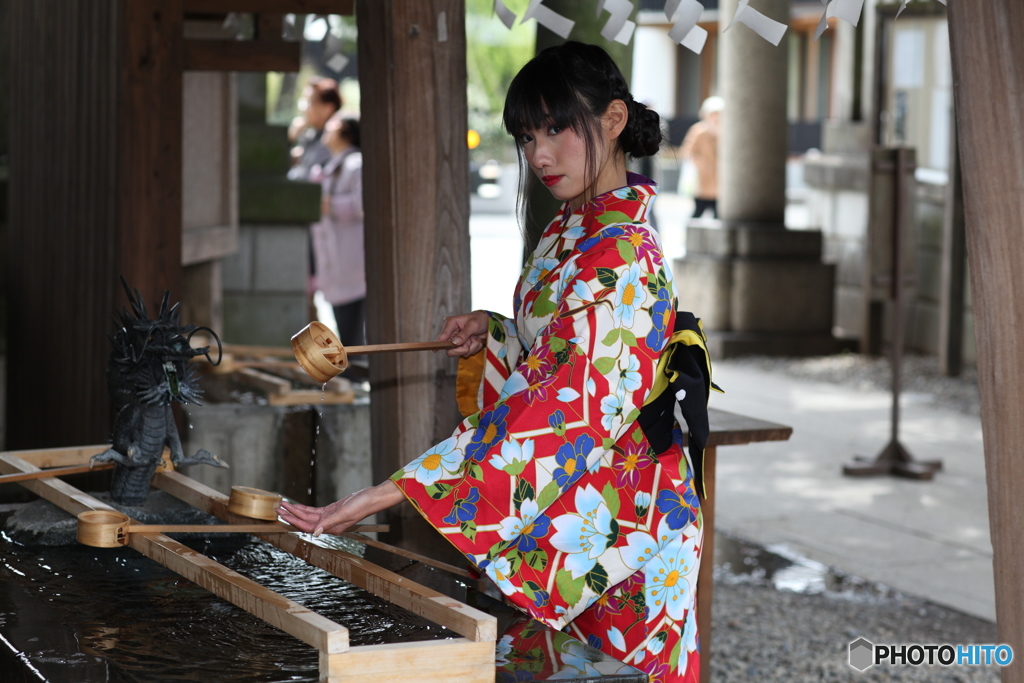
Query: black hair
[325, 91]
[570, 86]
[350, 131]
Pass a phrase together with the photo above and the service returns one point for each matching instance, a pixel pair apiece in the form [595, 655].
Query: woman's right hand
[337, 517]
[467, 331]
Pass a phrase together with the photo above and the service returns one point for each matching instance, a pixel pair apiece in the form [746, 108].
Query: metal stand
[894, 458]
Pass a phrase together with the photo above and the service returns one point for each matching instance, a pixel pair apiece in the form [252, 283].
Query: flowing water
[81, 614]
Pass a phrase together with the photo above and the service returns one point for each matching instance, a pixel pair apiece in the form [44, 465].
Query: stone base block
[752, 241]
[736, 344]
[781, 296]
[702, 286]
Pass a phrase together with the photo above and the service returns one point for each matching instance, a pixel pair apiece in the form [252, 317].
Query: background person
[701, 147]
[320, 101]
[550, 486]
[337, 238]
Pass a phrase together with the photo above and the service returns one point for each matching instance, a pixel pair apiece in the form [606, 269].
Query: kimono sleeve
[558, 417]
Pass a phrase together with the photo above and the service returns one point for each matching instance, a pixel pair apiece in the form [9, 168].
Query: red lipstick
[550, 180]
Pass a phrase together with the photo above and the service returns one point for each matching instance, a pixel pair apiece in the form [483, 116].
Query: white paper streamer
[507, 16]
[337, 62]
[695, 39]
[618, 27]
[626, 34]
[549, 19]
[846, 10]
[684, 15]
[767, 28]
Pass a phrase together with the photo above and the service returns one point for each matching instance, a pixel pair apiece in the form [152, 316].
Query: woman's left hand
[337, 517]
[468, 332]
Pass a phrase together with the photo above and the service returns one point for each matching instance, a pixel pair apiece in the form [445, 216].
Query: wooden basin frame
[467, 658]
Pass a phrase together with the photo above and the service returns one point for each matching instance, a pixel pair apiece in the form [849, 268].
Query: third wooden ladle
[322, 355]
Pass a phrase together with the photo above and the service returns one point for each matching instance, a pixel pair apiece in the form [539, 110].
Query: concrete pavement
[929, 539]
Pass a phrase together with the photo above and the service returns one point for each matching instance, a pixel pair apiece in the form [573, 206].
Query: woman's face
[335, 135]
[558, 157]
[315, 112]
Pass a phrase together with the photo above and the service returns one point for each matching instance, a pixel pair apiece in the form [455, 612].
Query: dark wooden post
[988, 77]
[149, 144]
[95, 193]
[412, 74]
[954, 267]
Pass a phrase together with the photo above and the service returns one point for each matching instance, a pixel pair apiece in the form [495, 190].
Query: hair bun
[642, 135]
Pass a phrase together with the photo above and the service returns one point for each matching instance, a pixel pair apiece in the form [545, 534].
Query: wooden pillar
[95, 193]
[988, 71]
[752, 144]
[954, 267]
[412, 74]
[149, 187]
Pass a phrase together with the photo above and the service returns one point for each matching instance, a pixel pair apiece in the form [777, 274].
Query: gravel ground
[920, 374]
[764, 633]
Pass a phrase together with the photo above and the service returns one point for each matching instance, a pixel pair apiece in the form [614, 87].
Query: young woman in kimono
[549, 486]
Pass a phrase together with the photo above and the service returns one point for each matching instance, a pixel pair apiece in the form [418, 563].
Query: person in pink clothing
[338, 257]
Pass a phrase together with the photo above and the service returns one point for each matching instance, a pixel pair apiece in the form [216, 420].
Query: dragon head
[150, 361]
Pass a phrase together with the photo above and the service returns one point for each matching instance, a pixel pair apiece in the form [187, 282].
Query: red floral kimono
[549, 486]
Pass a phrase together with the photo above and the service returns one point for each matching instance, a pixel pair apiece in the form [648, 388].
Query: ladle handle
[211, 528]
[54, 472]
[401, 346]
[233, 528]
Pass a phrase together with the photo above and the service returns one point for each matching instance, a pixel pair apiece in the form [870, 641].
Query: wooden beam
[988, 84]
[412, 76]
[55, 457]
[422, 662]
[277, 610]
[399, 590]
[451, 569]
[208, 243]
[344, 7]
[242, 55]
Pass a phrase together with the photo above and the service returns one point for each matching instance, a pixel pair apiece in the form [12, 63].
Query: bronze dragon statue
[150, 367]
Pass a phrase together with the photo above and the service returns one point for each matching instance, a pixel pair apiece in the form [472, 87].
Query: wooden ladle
[320, 353]
[112, 529]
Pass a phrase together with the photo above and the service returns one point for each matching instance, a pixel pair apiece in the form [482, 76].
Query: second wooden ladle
[322, 355]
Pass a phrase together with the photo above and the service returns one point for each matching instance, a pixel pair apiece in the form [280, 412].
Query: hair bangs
[541, 96]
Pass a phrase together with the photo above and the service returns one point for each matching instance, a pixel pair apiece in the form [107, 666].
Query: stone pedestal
[759, 290]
